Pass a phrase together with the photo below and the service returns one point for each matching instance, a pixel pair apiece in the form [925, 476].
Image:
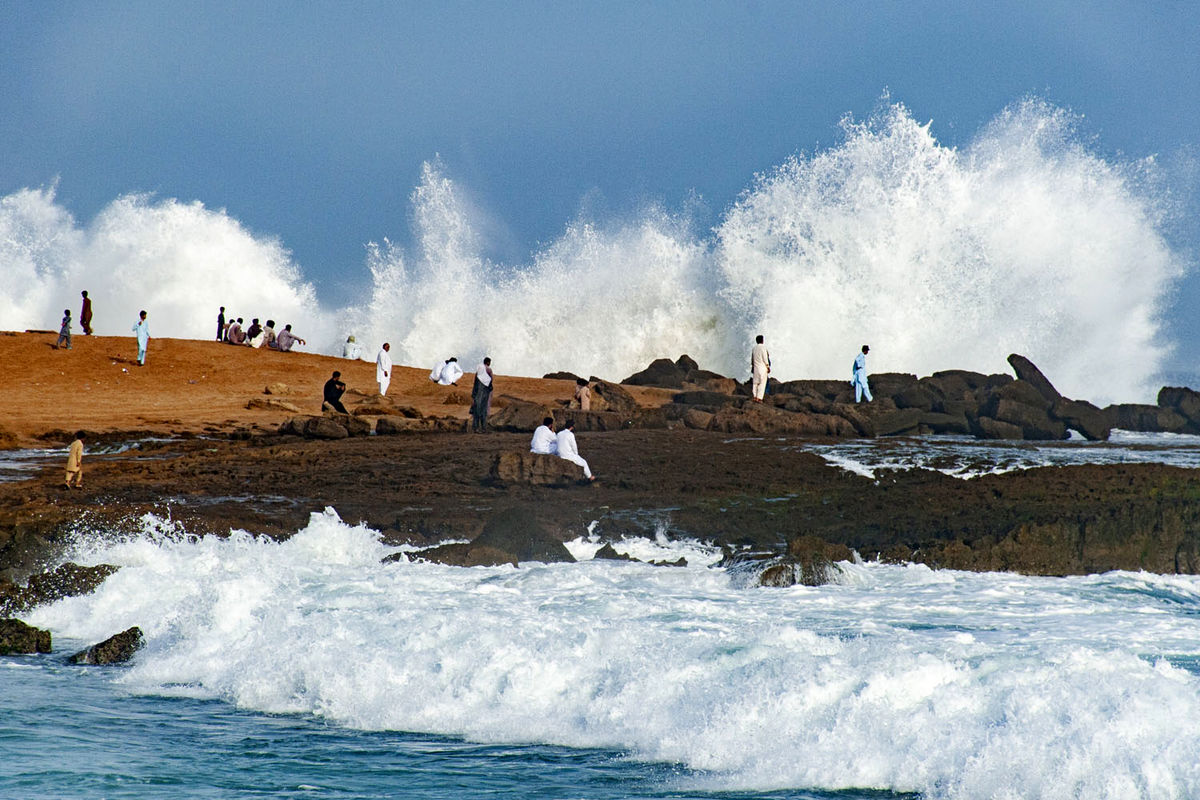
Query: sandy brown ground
[190, 386]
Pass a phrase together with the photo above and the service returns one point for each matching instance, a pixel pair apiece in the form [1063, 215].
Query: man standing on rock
[334, 389]
[75, 461]
[141, 329]
[481, 396]
[221, 324]
[760, 368]
[568, 449]
[383, 369]
[544, 441]
[858, 376]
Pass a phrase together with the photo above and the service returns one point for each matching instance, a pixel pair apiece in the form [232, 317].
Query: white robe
[435, 374]
[568, 449]
[482, 373]
[760, 368]
[544, 441]
[383, 370]
[451, 372]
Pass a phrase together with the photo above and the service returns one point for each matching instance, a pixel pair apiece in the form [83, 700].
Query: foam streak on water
[951, 684]
[1025, 240]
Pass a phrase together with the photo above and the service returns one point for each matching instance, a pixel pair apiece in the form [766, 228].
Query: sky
[309, 121]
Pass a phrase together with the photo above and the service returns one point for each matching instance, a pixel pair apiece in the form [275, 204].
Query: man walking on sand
[85, 315]
[383, 369]
[141, 329]
[75, 461]
[760, 368]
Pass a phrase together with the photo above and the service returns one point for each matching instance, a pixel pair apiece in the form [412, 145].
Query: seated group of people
[562, 444]
[446, 373]
[261, 335]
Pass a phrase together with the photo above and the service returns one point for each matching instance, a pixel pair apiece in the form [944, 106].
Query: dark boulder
[536, 469]
[608, 396]
[65, 580]
[662, 372]
[1026, 371]
[760, 418]
[897, 422]
[700, 398]
[1183, 401]
[887, 384]
[18, 638]
[518, 416]
[988, 428]
[592, 420]
[608, 553]
[324, 428]
[950, 378]
[517, 531]
[1035, 422]
[945, 423]
[917, 396]
[113, 650]
[711, 382]
[686, 365]
[460, 554]
[1084, 417]
[560, 376]
[698, 420]
[1145, 418]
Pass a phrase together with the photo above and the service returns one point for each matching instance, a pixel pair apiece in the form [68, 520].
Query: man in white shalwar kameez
[383, 369]
[447, 373]
[568, 449]
[858, 377]
[760, 368]
[544, 441]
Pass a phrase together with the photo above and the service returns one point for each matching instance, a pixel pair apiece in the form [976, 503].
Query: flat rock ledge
[535, 469]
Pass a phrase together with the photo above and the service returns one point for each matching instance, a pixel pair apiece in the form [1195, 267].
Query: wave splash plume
[1024, 240]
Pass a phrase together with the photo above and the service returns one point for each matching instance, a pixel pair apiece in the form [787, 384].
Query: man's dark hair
[84, 293]
[548, 421]
[758, 339]
[865, 348]
[568, 424]
[487, 361]
[81, 435]
[581, 381]
[337, 374]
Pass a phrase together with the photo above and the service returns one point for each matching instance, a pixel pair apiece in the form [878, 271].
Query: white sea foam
[1025, 240]
[956, 685]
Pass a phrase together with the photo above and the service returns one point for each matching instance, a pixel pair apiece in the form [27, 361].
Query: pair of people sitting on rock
[546, 442]
[447, 373]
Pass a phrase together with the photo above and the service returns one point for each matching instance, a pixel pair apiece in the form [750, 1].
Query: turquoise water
[72, 732]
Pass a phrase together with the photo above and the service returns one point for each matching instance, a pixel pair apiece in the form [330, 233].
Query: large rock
[988, 428]
[66, 580]
[592, 420]
[707, 381]
[1145, 418]
[1184, 401]
[612, 397]
[1026, 371]
[518, 416]
[460, 554]
[534, 469]
[113, 650]
[888, 384]
[760, 418]
[697, 420]
[324, 428]
[662, 372]
[1084, 417]
[517, 531]
[1035, 422]
[897, 423]
[946, 423]
[18, 638]
[702, 398]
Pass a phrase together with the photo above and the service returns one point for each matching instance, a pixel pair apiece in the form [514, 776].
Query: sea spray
[1024, 240]
[955, 685]
[179, 261]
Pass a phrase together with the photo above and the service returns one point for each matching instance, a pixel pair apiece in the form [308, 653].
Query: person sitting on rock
[236, 334]
[268, 335]
[583, 395]
[334, 389]
[858, 376]
[544, 441]
[351, 349]
[447, 373]
[254, 333]
[568, 449]
[286, 339]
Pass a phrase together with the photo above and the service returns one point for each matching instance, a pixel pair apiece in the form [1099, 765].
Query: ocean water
[309, 669]
[1029, 239]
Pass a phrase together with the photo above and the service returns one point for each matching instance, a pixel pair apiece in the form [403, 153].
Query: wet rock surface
[18, 638]
[114, 650]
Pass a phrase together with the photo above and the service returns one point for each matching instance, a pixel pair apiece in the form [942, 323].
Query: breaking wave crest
[1025, 240]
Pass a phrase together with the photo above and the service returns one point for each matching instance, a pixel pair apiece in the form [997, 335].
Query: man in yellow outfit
[75, 461]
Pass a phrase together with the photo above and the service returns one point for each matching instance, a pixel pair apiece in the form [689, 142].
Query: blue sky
[310, 121]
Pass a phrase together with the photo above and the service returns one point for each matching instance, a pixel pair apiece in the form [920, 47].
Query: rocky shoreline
[708, 464]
